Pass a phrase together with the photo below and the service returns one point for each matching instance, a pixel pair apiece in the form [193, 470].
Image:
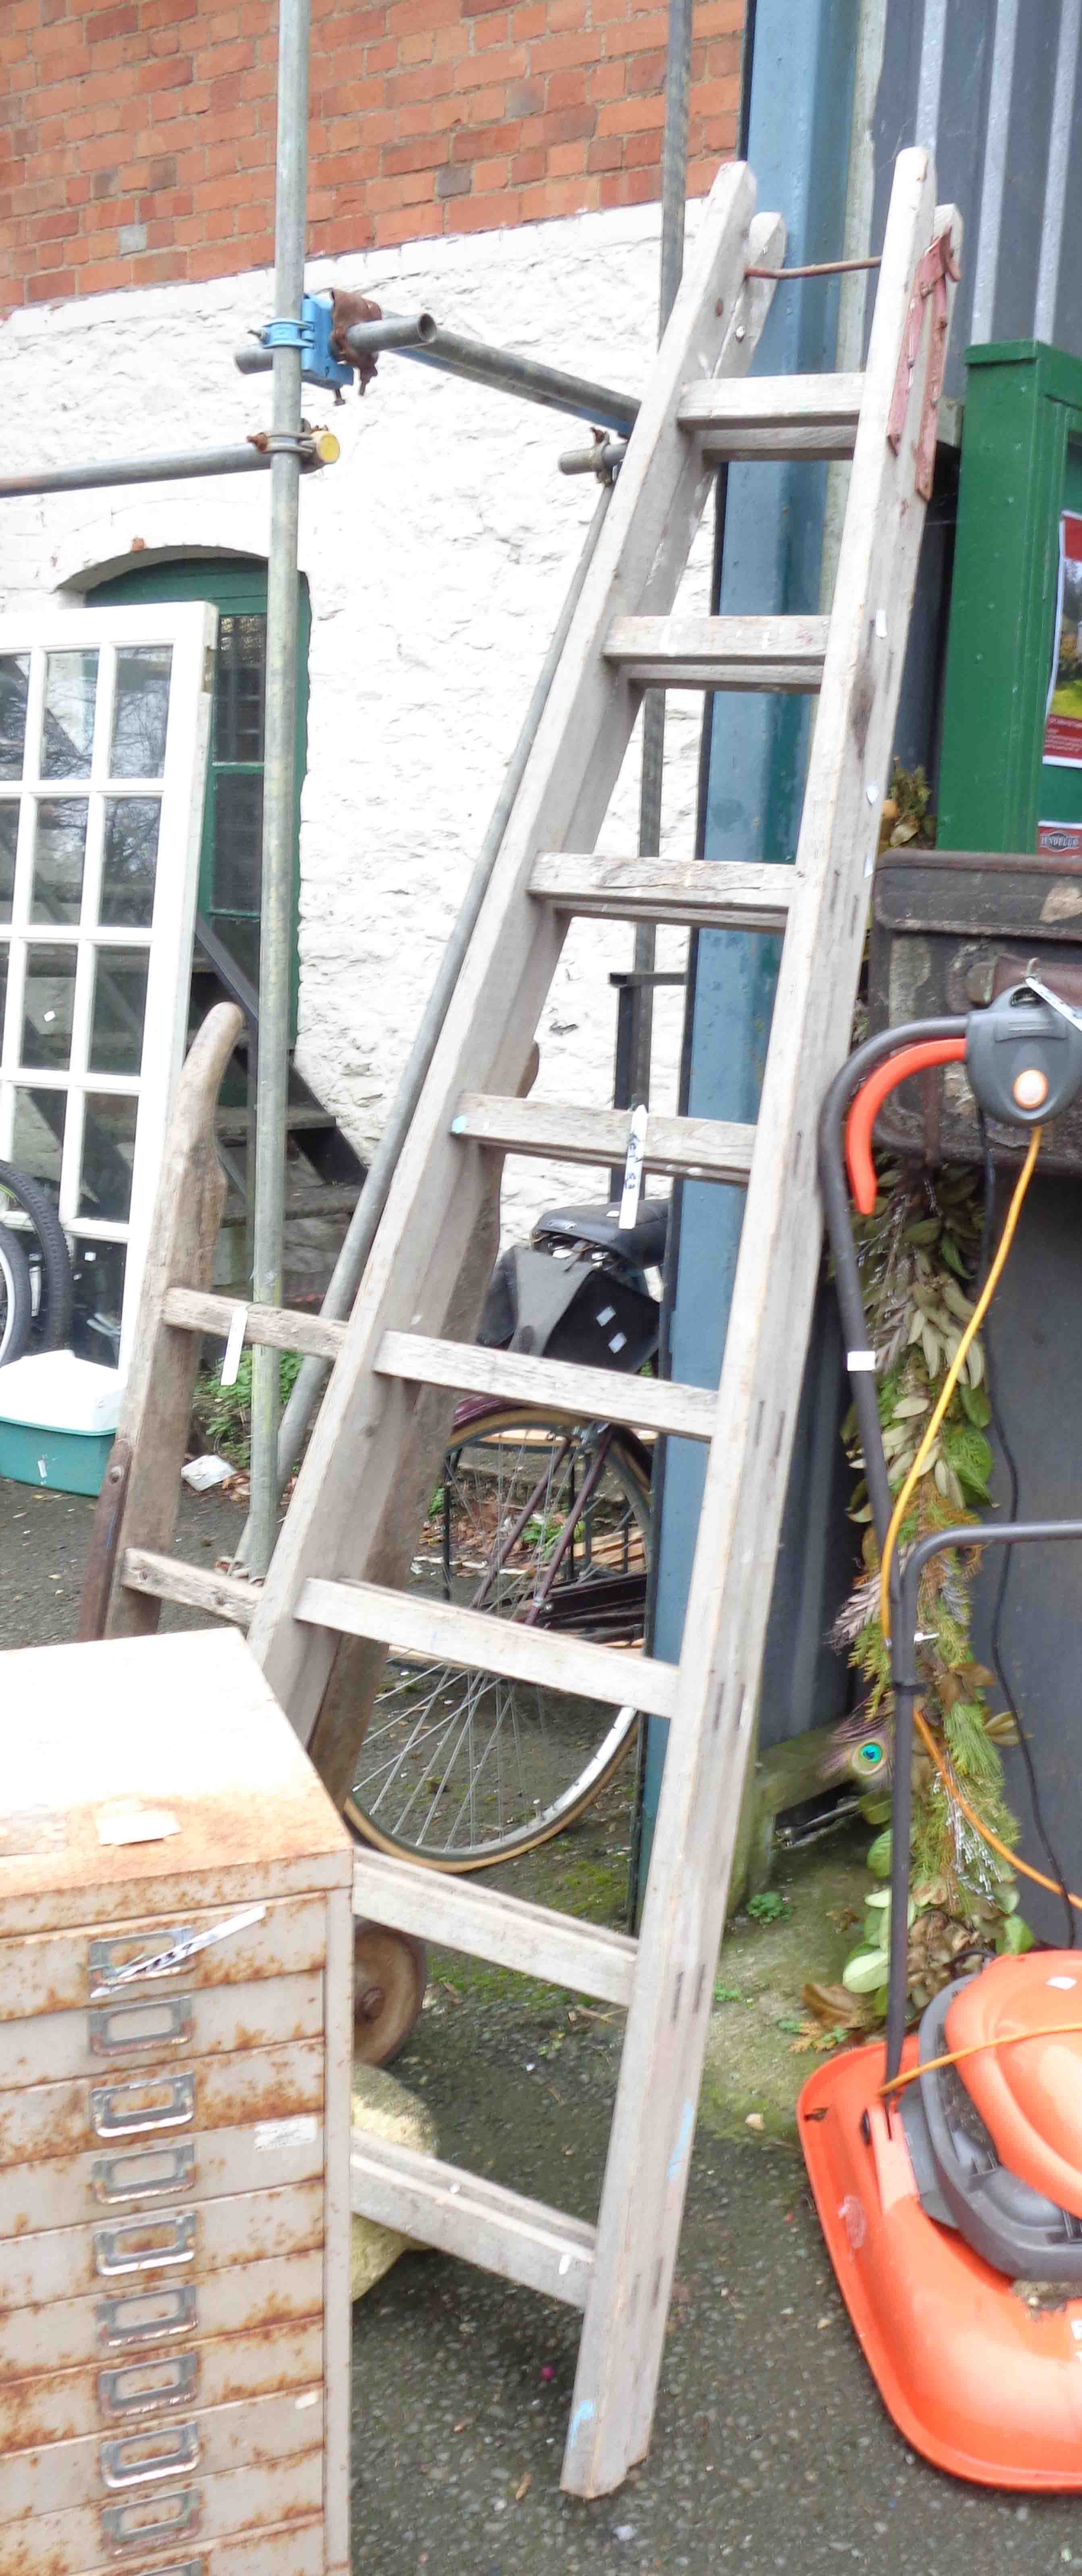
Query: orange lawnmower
[947, 2165]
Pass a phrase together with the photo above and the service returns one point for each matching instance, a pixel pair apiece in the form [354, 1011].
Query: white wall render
[437, 552]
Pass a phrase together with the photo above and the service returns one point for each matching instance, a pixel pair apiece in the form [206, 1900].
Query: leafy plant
[917, 1252]
[769, 1907]
[222, 1415]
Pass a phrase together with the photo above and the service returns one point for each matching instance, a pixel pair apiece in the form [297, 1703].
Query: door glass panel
[130, 861]
[67, 733]
[242, 940]
[108, 1155]
[39, 1135]
[9, 833]
[238, 688]
[59, 852]
[141, 711]
[238, 825]
[98, 1271]
[120, 1001]
[14, 680]
[47, 1006]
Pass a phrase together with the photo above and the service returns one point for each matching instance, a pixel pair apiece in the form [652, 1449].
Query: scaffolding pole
[188, 467]
[280, 722]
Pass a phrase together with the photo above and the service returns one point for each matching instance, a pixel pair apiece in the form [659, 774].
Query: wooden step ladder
[333, 1600]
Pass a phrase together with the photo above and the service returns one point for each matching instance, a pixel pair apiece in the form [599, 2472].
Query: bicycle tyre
[632, 1465]
[16, 1298]
[52, 1318]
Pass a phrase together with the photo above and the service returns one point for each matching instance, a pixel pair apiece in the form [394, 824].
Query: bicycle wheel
[16, 1298]
[27, 1208]
[534, 1520]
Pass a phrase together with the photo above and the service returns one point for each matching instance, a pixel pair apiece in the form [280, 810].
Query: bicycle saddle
[643, 1242]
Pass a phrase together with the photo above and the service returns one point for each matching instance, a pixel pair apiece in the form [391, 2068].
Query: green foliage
[918, 1252]
[222, 1415]
[769, 1907]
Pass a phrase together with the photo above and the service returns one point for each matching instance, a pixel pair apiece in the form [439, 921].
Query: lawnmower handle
[869, 1101]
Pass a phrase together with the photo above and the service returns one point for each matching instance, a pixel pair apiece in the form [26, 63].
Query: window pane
[120, 1001]
[238, 829]
[3, 985]
[59, 852]
[141, 711]
[242, 940]
[50, 993]
[67, 733]
[39, 1135]
[108, 1154]
[238, 688]
[9, 833]
[14, 677]
[98, 1280]
[130, 861]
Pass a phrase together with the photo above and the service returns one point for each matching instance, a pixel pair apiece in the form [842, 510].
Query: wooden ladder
[332, 1603]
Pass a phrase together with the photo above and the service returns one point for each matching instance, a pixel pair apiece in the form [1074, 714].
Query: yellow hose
[953, 1374]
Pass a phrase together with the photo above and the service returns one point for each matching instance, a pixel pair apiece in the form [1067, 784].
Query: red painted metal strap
[869, 1101]
[930, 279]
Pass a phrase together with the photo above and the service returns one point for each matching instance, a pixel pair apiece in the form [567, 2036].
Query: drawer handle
[112, 2034]
[175, 2111]
[132, 2462]
[156, 2174]
[148, 2386]
[110, 1968]
[113, 2254]
[124, 2526]
[173, 2312]
[180, 1946]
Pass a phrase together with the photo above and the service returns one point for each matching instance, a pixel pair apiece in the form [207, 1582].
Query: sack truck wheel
[16, 1298]
[390, 1973]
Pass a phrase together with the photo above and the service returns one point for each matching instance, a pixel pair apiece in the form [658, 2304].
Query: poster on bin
[1063, 714]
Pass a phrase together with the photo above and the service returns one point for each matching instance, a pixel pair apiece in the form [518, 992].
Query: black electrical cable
[1007, 1554]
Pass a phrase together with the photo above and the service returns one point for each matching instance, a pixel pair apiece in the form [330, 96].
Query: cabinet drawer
[137, 2172]
[66, 2405]
[55, 1972]
[158, 2245]
[55, 2120]
[140, 2030]
[128, 2323]
[297, 2550]
[179, 2516]
[139, 2459]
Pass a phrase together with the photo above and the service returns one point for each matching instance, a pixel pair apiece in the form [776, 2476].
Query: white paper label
[863, 1360]
[135, 1824]
[234, 1346]
[299, 2132]
[1065, 1983]
[636, 1148]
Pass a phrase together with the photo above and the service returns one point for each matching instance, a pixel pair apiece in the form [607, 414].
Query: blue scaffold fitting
[312, 336]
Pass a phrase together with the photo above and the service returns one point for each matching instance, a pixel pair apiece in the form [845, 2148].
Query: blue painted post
[798, 147]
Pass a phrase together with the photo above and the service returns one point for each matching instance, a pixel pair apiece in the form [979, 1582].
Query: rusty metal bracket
[930, 281]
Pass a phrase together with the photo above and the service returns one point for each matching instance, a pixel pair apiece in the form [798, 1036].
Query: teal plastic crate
[73, 1461]
[57, 1418]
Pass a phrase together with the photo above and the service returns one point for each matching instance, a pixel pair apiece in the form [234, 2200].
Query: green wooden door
[230, 860]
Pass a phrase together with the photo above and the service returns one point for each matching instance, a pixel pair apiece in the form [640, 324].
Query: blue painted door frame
[798, 117]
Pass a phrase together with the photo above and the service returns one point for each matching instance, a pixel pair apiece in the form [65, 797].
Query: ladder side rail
[338, 1521]
[152, 1429]
[650, 2149]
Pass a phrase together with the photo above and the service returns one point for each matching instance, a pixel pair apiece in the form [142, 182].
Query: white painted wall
[437, 553]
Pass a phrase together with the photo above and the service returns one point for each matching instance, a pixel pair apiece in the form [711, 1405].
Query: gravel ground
[770, 2447]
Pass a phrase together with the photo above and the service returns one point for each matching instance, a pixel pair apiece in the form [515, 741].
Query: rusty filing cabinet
[175, 2032]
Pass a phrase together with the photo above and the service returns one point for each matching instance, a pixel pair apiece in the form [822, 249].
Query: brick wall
[137, 139]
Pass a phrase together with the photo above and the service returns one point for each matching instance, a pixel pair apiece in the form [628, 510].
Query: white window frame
[190, 628]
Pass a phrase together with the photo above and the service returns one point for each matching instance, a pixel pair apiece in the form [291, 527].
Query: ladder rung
[772, 416]
[222, 1596]
[695, 893]
[560, 1387]
[476, 1642]
[697, 1149]
[278, 1328]
[459, 1914]
[468, 2215]
[719, 652]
